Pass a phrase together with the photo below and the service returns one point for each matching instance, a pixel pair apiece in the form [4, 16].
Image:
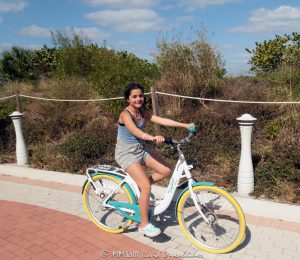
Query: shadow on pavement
[245, 242]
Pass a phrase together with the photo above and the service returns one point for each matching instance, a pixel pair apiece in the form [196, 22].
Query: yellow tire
[106, 218]
[226, 228]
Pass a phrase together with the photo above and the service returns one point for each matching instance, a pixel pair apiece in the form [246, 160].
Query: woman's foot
[149, 230]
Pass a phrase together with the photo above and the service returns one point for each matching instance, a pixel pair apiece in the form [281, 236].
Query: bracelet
[143, 137]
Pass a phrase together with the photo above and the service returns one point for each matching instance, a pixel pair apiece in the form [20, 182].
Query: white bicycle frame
[182, 170]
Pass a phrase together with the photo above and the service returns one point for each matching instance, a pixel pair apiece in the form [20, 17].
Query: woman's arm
[165, 121]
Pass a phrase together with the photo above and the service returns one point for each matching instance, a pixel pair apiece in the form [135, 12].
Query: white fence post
[21, 151]
[245, 175]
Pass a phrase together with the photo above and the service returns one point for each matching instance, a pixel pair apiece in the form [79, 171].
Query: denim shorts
[127, 154]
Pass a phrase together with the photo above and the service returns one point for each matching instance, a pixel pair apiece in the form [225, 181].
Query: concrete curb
[251, 206]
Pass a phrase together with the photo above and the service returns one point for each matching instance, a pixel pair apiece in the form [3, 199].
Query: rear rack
[106, 168]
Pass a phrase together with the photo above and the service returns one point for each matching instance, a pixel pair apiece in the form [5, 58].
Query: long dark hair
[131, 87]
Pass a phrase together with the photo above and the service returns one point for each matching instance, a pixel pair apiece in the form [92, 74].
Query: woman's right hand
[158, 139]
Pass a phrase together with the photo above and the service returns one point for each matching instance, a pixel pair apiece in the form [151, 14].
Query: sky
[137, 25]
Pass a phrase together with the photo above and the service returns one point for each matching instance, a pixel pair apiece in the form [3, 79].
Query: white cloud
[92, 33]
[36, 31]
[225, 47]
[12, 6]
[182, 19]
[281, 19]
[129, 20]
[192, 5]
[123, 3]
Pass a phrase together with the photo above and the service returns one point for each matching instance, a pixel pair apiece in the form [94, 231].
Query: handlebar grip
[168, 140]
[192, 128]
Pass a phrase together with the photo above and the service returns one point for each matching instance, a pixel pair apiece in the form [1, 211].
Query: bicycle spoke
[223, 226]
[106, 217]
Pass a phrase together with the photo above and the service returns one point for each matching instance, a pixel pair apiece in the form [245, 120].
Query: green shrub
[270, 176]
[272, 130]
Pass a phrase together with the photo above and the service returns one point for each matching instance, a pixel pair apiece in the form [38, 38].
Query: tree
[24, 64]
[75, 54]
[44, 62]
[17, 64]
[271, 55]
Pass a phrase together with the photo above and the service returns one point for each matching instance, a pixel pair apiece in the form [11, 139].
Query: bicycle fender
[201, 183]
[93, 174]
[87, 180]
[116, 177]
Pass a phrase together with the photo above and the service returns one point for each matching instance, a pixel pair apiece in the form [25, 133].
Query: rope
[70, 100]
[3, 98]
[230, 101]
[160, 93]
[74, 100]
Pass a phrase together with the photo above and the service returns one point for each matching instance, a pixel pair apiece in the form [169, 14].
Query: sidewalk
[273, 229]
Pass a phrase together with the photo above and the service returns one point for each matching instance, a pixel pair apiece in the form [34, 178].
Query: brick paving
[33, 232]
[49, 222]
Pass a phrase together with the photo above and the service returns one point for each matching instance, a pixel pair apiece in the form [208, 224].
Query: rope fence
[156, 92]
[4, 98]
[229, 101]
[71, 100]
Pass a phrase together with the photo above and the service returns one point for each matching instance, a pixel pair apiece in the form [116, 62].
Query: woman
[131, 152]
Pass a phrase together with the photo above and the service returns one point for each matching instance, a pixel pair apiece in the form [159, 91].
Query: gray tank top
[125, 135]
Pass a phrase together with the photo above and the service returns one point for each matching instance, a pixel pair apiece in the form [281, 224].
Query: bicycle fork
[197, 202]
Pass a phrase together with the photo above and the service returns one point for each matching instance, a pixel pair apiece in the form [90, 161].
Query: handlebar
[187, 139]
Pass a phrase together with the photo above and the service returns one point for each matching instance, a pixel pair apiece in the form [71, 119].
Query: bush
[93, 144]
[190, 69]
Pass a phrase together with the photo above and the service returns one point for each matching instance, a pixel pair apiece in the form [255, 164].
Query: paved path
[38, 214]
[32, 232]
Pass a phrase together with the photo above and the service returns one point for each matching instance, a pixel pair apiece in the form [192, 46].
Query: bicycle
[208, 215]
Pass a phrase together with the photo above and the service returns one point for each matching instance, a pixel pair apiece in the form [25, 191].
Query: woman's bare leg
[137, 172]
[162, 169]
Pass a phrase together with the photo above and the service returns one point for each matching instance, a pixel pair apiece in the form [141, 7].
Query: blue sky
[135, 25]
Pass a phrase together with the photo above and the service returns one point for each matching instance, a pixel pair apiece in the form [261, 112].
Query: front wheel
[226, 225]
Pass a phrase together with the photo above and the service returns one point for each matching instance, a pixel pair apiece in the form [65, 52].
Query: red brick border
[33, 232]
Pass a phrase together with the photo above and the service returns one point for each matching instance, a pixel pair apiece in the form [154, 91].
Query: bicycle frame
[182, 170]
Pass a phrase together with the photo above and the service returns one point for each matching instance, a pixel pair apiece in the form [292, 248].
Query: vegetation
[190, 69]
[75, 135]
[273, 54]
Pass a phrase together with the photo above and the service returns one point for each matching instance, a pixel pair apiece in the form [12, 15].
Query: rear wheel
[226, 225]
[106, 218]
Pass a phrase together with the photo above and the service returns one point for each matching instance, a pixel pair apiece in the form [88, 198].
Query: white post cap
[16, 114]
[246, 118]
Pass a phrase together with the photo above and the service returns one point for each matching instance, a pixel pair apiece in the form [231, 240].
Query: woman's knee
[166, 171]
